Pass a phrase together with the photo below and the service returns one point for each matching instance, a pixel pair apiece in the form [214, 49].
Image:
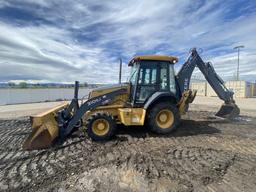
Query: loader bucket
[44, 129]
[229, 111]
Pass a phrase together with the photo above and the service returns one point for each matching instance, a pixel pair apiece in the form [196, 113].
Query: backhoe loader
[154, 96]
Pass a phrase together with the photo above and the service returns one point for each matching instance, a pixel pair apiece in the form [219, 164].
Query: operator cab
[150, 74]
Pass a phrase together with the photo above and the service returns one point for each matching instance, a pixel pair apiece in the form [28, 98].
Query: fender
[160, 95]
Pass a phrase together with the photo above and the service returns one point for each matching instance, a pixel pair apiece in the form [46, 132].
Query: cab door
[147, 81]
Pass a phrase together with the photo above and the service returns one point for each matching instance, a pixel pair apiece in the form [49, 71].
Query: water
[15, 96]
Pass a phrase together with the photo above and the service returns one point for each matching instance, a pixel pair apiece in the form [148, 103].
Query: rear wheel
[101, 126]
[163, 118]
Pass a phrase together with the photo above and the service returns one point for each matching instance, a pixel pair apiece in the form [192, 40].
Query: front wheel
[101, 126]
[163, 118]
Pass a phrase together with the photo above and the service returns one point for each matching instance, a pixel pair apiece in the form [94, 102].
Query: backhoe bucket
[229, 111]
[45, 129]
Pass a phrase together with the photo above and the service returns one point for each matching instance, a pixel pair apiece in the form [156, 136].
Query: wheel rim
[165, 119]
[100, 127]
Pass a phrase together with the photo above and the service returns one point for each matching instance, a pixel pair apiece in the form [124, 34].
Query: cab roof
[153, 57]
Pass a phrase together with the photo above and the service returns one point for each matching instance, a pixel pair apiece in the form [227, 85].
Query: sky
[64, 41]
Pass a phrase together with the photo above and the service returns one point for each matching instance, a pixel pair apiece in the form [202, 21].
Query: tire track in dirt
[196, 157]
[21, 170]
[187, 167]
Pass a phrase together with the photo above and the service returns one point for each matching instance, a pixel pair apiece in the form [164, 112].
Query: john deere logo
[94, 101]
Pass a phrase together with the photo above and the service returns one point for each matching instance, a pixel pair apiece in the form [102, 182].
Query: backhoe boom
[229, 109]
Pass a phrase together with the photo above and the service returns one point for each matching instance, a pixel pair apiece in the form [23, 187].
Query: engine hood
[107, 89]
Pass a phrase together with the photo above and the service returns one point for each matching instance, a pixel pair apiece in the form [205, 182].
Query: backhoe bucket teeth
[229, 111]
[44, 129]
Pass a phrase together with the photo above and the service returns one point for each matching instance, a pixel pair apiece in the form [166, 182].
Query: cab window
[164, 76]
[172, 79]
[147, 82]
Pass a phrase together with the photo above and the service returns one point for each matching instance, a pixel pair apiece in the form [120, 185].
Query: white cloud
[84, 40]
[50, 53]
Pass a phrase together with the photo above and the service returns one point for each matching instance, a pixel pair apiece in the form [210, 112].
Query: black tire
[171, 125]
[101, 135]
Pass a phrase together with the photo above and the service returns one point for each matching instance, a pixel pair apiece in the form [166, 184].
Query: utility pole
[120, 71]
[238, 54]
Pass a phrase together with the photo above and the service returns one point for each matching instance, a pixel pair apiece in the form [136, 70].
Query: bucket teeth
[45, 129]
[229, 111]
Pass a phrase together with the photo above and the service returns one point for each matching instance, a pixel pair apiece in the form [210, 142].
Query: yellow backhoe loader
[153, 95]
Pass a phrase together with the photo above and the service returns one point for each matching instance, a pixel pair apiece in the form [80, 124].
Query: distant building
[241, 89]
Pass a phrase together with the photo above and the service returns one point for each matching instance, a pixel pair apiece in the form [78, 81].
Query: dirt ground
[204, 154]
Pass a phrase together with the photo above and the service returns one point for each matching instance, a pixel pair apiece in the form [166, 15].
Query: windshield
[134, 72]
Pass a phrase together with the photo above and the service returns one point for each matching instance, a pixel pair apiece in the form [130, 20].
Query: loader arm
[66, 128]
[229, 109]
[57, 123]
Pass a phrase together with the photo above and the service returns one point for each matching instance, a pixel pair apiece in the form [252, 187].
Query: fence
[241, 89]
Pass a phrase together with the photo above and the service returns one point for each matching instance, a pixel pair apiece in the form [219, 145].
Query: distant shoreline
[44, 87]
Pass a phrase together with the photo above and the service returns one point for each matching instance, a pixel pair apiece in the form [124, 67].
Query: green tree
[11, 84]
[23, 85]
[85, 84]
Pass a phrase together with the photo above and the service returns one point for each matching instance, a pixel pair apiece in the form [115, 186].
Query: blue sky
[63, 41]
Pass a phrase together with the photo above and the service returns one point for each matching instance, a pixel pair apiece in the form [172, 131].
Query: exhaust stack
[120, 72]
